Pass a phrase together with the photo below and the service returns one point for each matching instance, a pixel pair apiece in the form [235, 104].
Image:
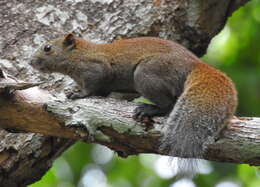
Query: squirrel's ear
[69, 40]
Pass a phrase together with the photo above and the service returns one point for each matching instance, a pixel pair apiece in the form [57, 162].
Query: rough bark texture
[109, 122]
[25, 25]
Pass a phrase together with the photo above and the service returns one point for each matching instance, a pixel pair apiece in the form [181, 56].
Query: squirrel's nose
[35, 61]
[32, 62]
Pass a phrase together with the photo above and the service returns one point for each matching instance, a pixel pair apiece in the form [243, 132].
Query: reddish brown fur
[206, 80]
[199, 98]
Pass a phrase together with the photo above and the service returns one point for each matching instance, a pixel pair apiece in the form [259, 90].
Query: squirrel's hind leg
[155, 89]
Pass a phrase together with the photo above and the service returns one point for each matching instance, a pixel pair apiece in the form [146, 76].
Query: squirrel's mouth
[38, 64]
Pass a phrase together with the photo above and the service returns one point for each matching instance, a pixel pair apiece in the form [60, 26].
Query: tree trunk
[25, 157]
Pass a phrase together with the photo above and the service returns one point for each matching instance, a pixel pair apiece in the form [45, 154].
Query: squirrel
[199, 99]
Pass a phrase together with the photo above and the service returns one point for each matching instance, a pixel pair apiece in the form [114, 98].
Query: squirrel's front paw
[144, 114]
[72, 96]
[77, 95]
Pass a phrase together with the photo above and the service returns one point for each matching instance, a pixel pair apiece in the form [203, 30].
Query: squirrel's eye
[47, 48]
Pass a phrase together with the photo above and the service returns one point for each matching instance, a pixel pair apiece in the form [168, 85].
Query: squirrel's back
[132, 50]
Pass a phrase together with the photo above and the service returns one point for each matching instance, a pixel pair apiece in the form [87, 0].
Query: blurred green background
[236, 51]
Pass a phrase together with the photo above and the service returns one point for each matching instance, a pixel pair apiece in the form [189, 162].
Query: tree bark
[25, 157]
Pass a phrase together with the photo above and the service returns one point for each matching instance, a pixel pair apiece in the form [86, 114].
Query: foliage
[236, 51]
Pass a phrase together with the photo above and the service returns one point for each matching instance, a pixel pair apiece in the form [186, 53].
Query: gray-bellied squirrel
[199, 99]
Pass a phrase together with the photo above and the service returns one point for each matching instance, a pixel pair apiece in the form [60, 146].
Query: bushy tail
[193, 123]
[207, 102]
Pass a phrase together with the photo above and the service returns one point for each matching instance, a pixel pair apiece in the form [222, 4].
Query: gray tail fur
[188, 129]
[185, 167]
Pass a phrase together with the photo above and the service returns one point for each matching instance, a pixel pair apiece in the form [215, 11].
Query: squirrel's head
[55, 55]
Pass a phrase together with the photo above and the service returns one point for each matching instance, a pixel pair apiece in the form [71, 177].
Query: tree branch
[191, 23]
[109, 122]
